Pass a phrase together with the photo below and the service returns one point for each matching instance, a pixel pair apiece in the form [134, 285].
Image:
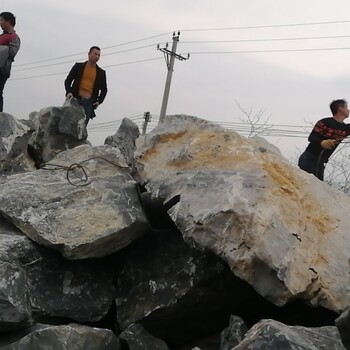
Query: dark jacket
[72, 82]
[326, 128]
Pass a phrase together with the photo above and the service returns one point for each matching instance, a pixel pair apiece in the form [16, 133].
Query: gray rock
[124, 139]
[14, 137]
[57, 208]
[57, 129]
[38, 282]
[233, 334]
[15, 311]
[273, 335]
[343, 325]
[66, 337]
[137, 338]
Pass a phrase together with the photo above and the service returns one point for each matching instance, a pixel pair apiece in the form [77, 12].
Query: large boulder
[343, 325]
[14, 137]
[63, 337]
[273, 335]
[83, 204]
[239, 198]
[57, 129]
[37, 282]
[124, 139]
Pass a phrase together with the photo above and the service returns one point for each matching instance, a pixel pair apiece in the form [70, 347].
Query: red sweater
[12, 41]
[6, 38]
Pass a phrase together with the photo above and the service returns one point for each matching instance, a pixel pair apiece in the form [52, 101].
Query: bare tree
[258, 122]
[337, 173]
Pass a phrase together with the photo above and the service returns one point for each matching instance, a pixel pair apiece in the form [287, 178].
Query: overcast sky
[292, 81]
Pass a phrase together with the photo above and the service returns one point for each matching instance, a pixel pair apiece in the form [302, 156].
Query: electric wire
[106, 66]
[268, 51]
[194, 30]
[103, 48]
[266, 26]
[268, 40]
[65, 62]
[266, 130]
[264, 39]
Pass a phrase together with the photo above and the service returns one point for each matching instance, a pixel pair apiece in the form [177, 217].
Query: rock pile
[188, 237]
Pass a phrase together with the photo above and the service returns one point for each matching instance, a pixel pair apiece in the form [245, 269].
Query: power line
[38, 76]
[60, 63]
[201, 42]
[188, 30]
[132, 62]
[265, 26]
[111, 65]
[265, 39]
[268, 51]
[138, 40]
[246, 129]
[103, 48]
[107, 124]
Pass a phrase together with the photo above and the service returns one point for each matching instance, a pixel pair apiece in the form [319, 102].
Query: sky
[283, 61]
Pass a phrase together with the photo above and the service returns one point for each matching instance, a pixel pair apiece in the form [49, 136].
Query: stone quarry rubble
[188, 237]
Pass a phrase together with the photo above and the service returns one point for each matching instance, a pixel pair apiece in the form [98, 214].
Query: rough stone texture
[14, 299]
[14, 137]
[66, 337]
[37, 281]
[343, 325]
[57, 129]
[124, 139]
[240, 199]
[273, 335]
[93, 218]
[137, 338]
[143, 287]
[233, 334]
[179, 294]
[79, 290]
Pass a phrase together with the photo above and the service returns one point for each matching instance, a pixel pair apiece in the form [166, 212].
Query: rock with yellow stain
[280, 229]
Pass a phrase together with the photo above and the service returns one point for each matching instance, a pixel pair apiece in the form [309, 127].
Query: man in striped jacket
[10, 39]
[325, 138]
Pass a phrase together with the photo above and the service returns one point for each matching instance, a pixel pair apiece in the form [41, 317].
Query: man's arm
[14, 46]
[102, 88]
[317, 134]
[70, 78]
[321, 136]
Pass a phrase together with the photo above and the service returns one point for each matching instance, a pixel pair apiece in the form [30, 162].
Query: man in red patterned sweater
[10, 39]
[325, 138]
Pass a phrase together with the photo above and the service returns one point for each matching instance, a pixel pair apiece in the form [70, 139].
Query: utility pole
[169, 60]
[147, 116]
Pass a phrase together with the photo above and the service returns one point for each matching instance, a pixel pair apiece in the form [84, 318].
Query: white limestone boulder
[280, 229]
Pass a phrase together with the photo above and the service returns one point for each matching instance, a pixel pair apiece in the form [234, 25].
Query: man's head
[7, 20]
[94, 54]
[339, 107]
